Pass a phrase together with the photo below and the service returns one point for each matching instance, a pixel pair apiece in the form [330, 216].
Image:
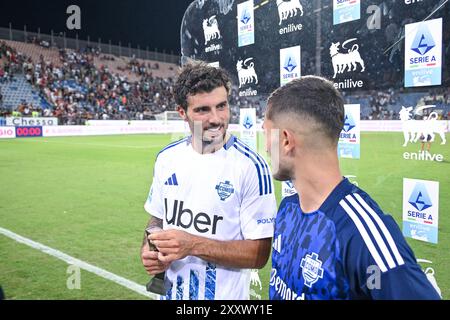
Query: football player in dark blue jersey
[331, 240]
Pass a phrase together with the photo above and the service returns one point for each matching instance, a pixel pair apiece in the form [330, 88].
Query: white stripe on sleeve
[383, 228]
[374, 231]
[373, 251]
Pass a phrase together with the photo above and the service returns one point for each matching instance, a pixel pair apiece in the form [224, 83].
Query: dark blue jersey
[348, 249]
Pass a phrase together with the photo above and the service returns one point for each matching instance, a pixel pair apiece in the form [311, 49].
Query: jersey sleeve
[154, 204]
[379, 262]
[258, 206]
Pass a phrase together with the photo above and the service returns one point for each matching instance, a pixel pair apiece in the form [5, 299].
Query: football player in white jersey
[213, 197]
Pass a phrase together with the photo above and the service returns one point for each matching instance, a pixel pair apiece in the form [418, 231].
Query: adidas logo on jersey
[172, 181]
[185, 218]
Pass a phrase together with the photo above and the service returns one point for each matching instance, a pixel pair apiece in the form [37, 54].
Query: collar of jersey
[332, 201]
[230, 142]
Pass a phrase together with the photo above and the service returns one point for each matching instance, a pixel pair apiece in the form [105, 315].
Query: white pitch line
[81, 264]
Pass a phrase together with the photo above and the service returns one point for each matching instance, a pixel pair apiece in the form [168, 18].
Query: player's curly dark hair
[199, 77]
[310, 97]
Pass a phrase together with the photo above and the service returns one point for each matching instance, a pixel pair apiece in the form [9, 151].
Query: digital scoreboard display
[27, 132]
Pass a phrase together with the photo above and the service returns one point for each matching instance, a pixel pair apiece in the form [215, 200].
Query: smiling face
[208, 115]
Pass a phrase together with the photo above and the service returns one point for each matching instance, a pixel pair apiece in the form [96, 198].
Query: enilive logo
[412, 1]
[419, 198]
[211, 29]
[413, 129]
[211, 32]
[343, 61]
[246, 72]
[288, 9]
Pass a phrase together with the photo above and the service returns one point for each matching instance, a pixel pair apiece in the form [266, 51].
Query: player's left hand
[172, 244]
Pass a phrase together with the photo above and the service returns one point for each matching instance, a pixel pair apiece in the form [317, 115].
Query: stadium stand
[385, 105]
[19, 92]
[76, 86]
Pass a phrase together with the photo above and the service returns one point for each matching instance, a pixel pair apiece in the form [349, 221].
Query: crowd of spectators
[77, 90]
[385, 105]
[381, 105]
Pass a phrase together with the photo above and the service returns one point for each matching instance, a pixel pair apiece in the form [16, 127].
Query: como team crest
[311, 269]
[224, 190]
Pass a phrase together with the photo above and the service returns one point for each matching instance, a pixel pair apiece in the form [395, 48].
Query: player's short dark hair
[199, 77]
[310, 97]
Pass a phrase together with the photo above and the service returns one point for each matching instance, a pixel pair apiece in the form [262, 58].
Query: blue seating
[18, 91]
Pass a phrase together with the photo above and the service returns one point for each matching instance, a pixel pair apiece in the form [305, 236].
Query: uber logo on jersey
[185, 218]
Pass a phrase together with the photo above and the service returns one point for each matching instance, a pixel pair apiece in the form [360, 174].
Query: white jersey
[225, 195]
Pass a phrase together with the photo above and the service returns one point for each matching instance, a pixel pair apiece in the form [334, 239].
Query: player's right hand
[150, 261]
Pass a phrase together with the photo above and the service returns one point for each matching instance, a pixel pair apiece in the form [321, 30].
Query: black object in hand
[156, 284]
